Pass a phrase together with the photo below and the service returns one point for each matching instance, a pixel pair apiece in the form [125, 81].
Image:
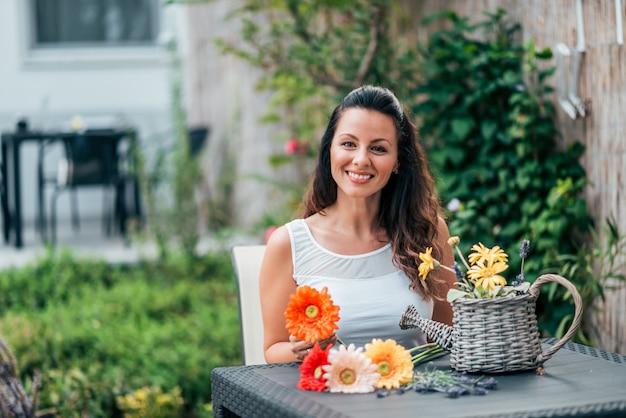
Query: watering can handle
[578, 314]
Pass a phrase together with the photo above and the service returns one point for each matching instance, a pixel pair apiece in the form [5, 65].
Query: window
[88, 33]
[93, 23]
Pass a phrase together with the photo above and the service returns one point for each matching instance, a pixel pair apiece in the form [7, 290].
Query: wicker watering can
[495, 335]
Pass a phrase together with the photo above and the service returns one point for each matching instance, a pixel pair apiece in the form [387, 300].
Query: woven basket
[496, 335]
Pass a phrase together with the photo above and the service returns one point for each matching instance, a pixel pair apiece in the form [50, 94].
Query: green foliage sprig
[598, 267]
[172, 218]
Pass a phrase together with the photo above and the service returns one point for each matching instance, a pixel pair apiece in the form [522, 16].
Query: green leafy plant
[172, 217]
[488, 122]
[598, 267]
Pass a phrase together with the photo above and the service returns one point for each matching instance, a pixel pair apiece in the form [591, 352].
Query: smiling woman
[371, 208]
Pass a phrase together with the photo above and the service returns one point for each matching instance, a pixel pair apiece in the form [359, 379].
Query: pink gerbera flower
[350, 371]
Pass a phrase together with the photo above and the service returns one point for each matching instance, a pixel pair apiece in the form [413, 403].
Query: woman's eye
[379, 149]
[348, 144]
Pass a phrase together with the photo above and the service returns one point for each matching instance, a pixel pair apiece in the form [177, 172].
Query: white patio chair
[247, 263]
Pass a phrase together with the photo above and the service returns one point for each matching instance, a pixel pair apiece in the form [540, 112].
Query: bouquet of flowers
[484, 266]
[311, 315]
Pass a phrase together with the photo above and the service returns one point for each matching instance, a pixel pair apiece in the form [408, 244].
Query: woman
[370, 210]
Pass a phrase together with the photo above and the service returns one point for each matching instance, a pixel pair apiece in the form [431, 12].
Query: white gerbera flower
[350, 371]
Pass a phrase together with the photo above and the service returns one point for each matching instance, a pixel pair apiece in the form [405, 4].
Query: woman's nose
[361, 158]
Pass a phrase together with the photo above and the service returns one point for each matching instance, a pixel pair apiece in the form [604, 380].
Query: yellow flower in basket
[483, 278]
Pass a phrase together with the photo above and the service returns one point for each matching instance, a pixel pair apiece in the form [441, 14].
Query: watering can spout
[438, 332]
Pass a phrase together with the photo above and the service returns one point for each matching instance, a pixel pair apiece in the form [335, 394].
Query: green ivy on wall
[488, 122]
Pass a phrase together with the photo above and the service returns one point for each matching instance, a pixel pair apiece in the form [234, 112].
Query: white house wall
[50, 92]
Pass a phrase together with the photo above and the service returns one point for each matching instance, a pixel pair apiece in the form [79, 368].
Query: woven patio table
[579, 381]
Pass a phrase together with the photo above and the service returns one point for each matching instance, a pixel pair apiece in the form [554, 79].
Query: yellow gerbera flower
[487, 275]
[428, 263]
[482, 253]
[393, 363]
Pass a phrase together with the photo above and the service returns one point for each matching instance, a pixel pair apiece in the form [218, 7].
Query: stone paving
[91, 241]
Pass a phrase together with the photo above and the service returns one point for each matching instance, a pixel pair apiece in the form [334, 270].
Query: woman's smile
[359, 177]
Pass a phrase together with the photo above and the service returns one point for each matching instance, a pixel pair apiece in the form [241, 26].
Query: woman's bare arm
[276, 284]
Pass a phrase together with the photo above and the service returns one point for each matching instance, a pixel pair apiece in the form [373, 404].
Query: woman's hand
[301, 348]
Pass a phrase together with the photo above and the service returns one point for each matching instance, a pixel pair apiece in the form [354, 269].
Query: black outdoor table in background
[11, 143]
[580, 381]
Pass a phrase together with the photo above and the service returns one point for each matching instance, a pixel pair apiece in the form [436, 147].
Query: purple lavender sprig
[460, 275]
[523, 249]
[451, 384]
[523, 253]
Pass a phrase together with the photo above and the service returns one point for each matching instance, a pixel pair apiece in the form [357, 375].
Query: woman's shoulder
[278, 248]
[279, 238]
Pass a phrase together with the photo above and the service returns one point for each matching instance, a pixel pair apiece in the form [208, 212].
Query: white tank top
[371, 292]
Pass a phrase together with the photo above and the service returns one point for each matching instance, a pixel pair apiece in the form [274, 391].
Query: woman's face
[364, 152]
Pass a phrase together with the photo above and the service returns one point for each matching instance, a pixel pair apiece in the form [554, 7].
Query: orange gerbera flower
[393, 363]
[311, 314]
[311, 372]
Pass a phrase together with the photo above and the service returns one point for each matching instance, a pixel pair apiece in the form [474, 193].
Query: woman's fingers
[328, 341]
[299, 348]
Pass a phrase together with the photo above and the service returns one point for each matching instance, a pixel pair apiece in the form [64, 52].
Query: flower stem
[423, 347]
[458, 250]
[429, 350]
[448, 268]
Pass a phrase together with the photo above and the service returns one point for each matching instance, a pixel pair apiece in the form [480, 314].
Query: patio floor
[90, 241]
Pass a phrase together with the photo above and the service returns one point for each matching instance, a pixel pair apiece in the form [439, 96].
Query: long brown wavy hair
[409, 206]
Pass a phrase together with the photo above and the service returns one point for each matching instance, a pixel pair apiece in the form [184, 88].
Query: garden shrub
[107, 332]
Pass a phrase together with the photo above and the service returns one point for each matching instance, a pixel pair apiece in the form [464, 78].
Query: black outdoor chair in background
[4, 204]
[91, 159]
[197, 139]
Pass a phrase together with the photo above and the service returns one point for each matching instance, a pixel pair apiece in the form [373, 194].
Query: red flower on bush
[291, 146]
[268, 233]
[294, 146]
